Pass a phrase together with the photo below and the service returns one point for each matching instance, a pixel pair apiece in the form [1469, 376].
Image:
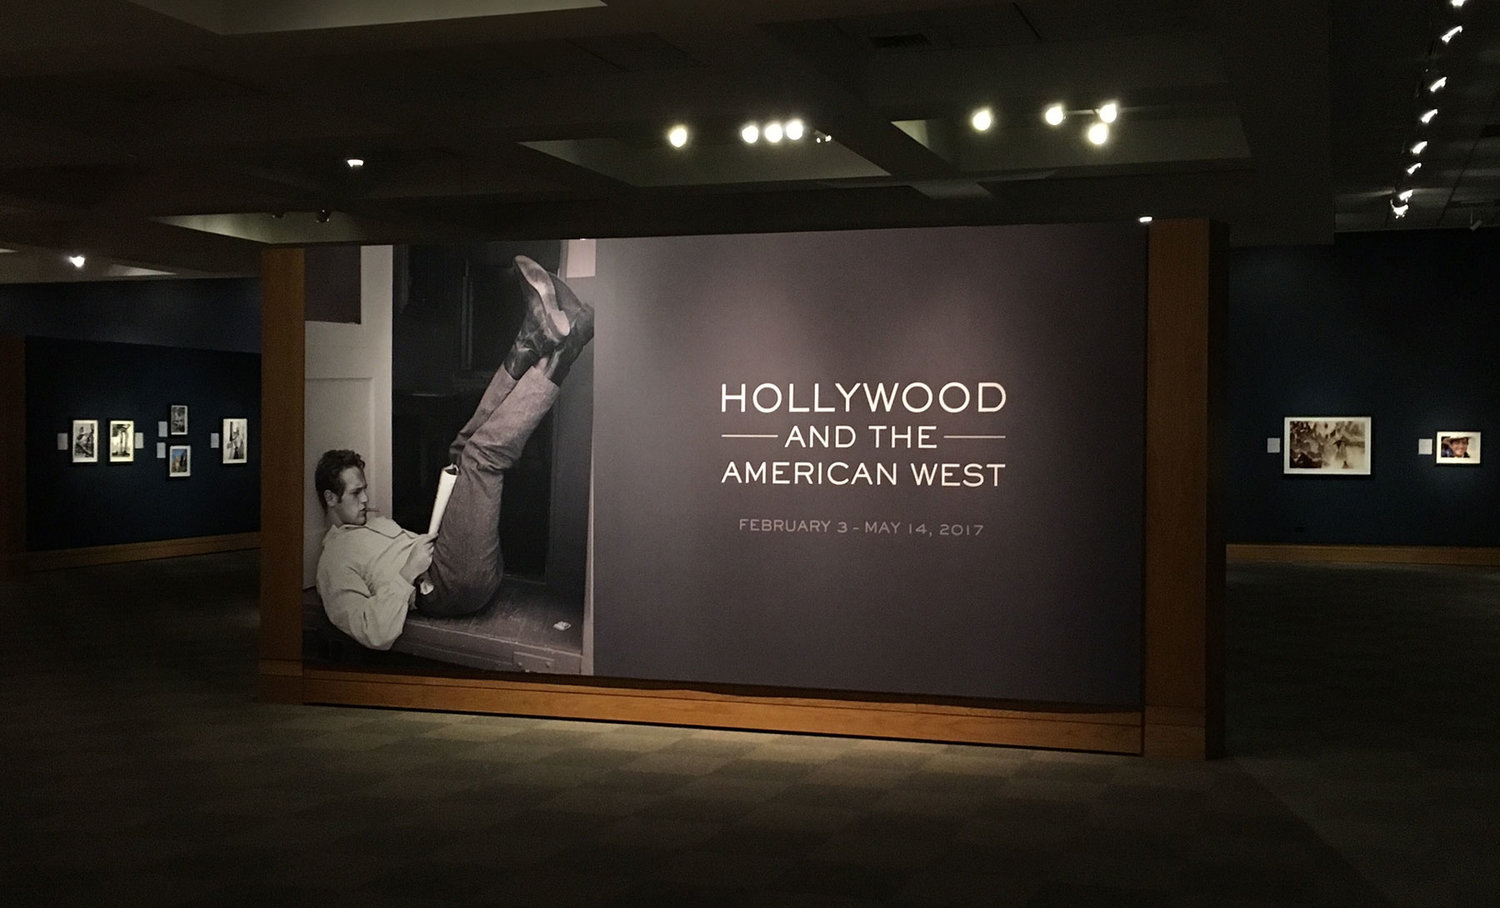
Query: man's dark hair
[329, 474]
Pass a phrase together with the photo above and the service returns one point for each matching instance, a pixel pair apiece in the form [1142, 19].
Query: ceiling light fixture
[1415, 166]
[1405, 195]
[1457, 4]
[1109, 111]
[982, 119]
[1436, 85]
[76, 260]
[1427, 117]
[1448, 36]
[1098, 133]
[355, 163]
[323, 215]
[750, 133]
[1054, 115]
[795, 129]
[677, 136]
[1399, 210]
[1419, 147]
[1144, 219]
[773, 132]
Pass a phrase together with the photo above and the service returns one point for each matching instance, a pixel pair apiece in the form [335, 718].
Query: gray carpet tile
[135, 769]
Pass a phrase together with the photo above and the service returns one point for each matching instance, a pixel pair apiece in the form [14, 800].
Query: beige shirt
[359, 578]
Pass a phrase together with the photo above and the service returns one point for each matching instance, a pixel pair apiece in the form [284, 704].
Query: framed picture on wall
[1326, 445]
[177, 424]
[236, 440]
[85, 441]
[1458, 447]
[179, 461]
[121, 440]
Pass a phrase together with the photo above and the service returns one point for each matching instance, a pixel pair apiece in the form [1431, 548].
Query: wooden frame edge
[1246, 553]
[1102, 730]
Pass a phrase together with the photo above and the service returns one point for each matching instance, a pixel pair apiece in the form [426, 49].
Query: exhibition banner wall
[896, 461]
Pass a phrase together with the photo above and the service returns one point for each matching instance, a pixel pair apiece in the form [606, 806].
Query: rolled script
[446, 478]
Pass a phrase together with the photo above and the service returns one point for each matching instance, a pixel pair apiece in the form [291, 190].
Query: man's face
[349, 508]
[1460, 446]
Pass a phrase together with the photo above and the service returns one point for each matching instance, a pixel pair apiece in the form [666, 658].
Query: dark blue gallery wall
[72, 505]
[205, 314]
[1399, 326]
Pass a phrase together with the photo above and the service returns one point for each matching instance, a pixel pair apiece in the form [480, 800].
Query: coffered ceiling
[182, 137]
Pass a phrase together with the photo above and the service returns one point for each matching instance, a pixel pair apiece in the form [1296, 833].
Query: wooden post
[1184, 570]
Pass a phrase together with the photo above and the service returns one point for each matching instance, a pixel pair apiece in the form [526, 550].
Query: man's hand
[418, 560]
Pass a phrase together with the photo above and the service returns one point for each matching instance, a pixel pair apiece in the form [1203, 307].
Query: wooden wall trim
[12, 455]
[1184, 551]
[1105, 730]
[140, 551]
[1364, 554]
[283, 339]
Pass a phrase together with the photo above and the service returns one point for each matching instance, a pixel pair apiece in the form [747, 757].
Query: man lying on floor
[371, 572]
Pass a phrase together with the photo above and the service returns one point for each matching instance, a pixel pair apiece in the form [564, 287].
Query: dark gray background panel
[1043, 604]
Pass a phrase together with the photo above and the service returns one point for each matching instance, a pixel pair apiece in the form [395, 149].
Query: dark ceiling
[183, 136]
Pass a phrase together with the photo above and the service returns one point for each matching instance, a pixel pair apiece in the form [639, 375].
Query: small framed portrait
[1326, 446]
[236, 440]
[177, 422]
[85, 441]
[1459, 448]
[179, 461]
[121, 440]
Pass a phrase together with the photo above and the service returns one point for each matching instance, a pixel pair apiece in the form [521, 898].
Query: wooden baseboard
[1094, 729]
[1364, 554]
[140, 551]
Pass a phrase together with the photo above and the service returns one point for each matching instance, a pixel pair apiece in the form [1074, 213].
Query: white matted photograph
[179, 461]
[121, 440]
[1458, 447]
[236, 440]
[1326, 445]
[177, 424]
[85, 441]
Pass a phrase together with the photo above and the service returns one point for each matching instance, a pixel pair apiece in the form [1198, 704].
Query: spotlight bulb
[1456, 4]
[1415, 166]
[677, 136]
[1399, 210]
[354, 163]
[1054, 115]
[795, 129]
[1109, 112]
[1419, 147]
[773, 132]
[1447, 36]
[751, 133]
[1098, 134]
[76, 261]
[1144, 219]
[1405, 195]
[1427, 117]
[1436, 85]
[982, 119]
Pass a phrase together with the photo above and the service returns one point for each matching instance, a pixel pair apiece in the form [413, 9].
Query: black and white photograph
[178, 422]
[85, 441]
[1326, 446]
[236, 440]
[489, 338]
[121, 440]
[1458, 447]
[179, 461]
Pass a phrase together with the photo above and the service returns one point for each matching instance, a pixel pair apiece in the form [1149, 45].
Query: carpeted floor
[136, 770]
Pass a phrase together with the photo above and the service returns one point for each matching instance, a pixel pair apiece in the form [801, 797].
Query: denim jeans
[467, 563]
